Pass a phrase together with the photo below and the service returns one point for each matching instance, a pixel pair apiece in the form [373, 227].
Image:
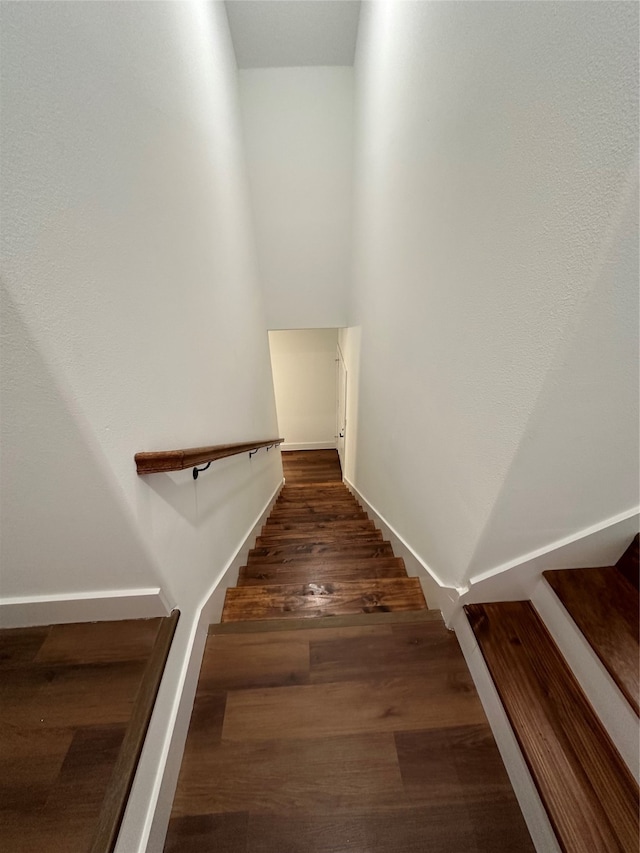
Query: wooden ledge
[119, 787]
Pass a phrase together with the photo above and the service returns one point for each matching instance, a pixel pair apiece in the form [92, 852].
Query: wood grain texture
[156, 461]
[320, 752]
[319, 555]
[589, 794]
[604, 606]
[268, 540]
[311, 466]
[311, 551]
[269, 573]
[67, 693]
[279, 601]
[302, 528]
[310, 517]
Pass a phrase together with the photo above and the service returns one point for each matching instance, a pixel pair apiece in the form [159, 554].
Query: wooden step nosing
[121, 781]
[608, 701]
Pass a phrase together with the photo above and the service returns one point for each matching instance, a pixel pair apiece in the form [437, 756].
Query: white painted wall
[132, 315]
[298, 129]
[495, 274]
[303, 362]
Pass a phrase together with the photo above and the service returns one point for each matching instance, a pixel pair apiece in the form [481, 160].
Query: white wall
[132, 315]
[495, 274]
[304, 378]
[298, 129]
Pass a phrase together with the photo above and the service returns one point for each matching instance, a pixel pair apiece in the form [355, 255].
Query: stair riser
[305, 529]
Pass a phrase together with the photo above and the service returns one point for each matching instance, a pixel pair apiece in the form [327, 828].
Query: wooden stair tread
[313, 600]
[305, 528]
[322, 565]
[310, 517]
[266, 540]
[310, 551]
[589, 794]
[121, 781]
[257, 626]
[604, 606]
[316, 495]
[358, 570]
[316, 509]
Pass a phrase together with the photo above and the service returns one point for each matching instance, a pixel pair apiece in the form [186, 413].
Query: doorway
[310, 388]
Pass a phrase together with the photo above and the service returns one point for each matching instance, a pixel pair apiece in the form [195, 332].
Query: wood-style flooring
[604, 606]
[67, 694]
[319, 554]
[326, 740]
[589, 794]
[359, 731]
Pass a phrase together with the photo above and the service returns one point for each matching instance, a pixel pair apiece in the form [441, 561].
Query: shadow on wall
[64, 529]
[577, 464]
[216, 489]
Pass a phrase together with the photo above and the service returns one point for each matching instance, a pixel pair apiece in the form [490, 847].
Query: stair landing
[367, 738]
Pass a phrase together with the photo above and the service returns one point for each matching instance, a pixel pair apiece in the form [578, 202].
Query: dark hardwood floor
[356, 738]
[317, 466]
[67, 694]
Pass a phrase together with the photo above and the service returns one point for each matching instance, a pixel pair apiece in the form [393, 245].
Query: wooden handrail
[177, 460]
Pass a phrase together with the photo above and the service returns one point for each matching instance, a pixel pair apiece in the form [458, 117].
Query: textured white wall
[495, 281]
[134, 319]
[298, 129]
[303, 362]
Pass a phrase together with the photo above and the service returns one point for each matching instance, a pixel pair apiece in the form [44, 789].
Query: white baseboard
[415, 565]
[608, 701]
[600, 544]
[146, 818]
[308, 445]
[108, 606]
[533, 811]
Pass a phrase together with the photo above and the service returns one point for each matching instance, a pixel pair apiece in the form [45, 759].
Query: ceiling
[278, 33]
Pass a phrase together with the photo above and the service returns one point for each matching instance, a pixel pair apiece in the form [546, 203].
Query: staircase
[319, 554]
[359, 730]
[565, 667]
